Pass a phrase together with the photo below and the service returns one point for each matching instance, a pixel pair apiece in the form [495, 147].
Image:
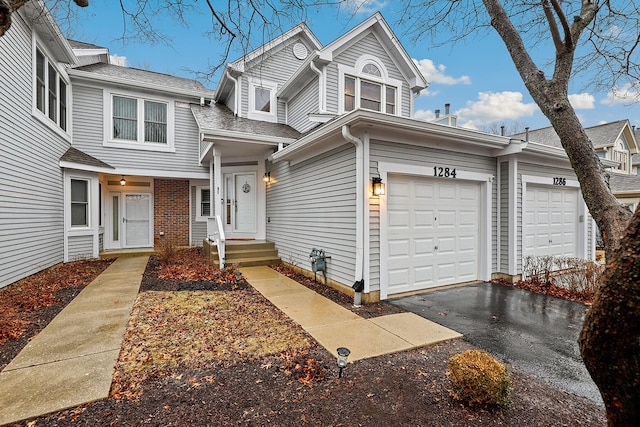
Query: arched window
[367, 86]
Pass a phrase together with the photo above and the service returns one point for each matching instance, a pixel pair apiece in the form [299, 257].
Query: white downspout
[346, 134]
[235, 92]
[320, 87]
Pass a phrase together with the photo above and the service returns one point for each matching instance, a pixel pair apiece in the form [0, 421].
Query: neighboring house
[288, 149]
[616, 144]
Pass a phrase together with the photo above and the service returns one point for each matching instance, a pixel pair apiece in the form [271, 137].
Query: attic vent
[300, 51]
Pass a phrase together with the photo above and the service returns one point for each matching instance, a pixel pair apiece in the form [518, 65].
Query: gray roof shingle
[75, 44]
[601, 136]
[73, 155]
[148, 77]
[218, 116]
[621, 183]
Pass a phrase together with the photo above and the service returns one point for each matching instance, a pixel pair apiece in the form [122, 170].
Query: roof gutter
[320, 86]
[235, 92]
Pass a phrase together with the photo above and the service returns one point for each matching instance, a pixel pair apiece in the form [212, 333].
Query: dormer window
[621, 154]
[368, 87]
[262, 100]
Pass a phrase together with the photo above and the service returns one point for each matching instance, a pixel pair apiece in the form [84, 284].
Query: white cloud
[492, 107]
[427, 115]
[582, 101]
[118, 60]
[437, 73]
[626, 94]
[365, 6]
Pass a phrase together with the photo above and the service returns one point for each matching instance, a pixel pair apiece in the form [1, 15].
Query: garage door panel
[438, 213]
[550, 221]
[399, 219]
[399, 248]
[424, 246]
[424, 219]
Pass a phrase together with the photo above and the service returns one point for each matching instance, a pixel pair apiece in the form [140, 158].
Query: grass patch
[170, 330]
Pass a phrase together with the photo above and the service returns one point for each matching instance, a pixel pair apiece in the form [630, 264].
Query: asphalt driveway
[536, 333]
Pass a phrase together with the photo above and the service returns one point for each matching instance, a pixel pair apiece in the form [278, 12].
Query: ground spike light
[343, 354]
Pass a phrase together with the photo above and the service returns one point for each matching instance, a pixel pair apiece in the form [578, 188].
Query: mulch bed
[409, 388]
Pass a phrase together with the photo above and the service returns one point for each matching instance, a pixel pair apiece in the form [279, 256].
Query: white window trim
[261, 115]
[385, 80]
[109, 141]
[41, 116]
[199, 217]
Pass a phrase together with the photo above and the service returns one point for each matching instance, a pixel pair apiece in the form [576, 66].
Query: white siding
[371, 46]
[301, 105]
[198, 228]
[504, 217]
[312, 205]
[80, 247]
[88, 136]
[413, 155]
[31, 190]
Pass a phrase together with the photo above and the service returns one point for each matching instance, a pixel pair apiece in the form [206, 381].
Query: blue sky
[475, 76]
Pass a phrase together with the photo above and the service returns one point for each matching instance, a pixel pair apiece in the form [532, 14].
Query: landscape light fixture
[377, 186]
[123, 181]
[343, 354]
[267, 177]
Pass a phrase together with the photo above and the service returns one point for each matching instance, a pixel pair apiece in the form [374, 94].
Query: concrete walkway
[72, 360]
[334, 326]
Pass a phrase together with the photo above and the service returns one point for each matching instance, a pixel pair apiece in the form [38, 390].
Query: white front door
[433, 232]
[137, 220]
[551, 221]
[240, 203]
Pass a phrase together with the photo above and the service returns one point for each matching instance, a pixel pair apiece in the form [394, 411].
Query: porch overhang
[231, 144]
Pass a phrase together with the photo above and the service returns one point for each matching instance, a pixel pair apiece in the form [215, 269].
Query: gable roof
[37, 13]
[601, 136]
[142, 78]
[379, 26]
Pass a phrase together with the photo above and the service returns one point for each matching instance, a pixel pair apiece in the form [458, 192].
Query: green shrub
[478, 378]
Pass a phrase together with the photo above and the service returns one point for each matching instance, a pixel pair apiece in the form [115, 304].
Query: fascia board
[40, 17]
[92, 77]
[399, 124]
[87, 168]
[218, 134]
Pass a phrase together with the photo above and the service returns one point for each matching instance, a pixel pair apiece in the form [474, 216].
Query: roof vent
[300, 51]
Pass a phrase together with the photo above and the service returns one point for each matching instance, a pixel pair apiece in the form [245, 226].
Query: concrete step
[250, 262]
[234, 254]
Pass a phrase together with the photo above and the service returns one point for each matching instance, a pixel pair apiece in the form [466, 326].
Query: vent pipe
[526, 134]
[437, 114]
[502, 130]
[446, 109]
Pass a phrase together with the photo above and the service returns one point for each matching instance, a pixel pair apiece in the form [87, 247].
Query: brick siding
[171, 211]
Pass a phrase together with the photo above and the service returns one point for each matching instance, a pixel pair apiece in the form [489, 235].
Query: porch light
[378, 186]
[267, 177]
[343, 354]
[123, 181]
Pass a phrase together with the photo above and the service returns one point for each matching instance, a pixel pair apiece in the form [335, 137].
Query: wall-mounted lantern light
[123, 181]
[343, 354]
[267, 177]
[377, 186]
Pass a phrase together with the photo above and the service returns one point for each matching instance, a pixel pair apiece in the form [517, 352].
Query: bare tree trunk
[610, 338]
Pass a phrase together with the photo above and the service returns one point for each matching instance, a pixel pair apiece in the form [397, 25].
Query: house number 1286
[441, 172]
[559, 181]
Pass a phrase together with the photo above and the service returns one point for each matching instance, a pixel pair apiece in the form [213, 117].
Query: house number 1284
[441, 172]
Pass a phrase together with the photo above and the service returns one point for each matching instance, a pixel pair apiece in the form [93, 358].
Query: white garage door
[432, 232]
[551, 221]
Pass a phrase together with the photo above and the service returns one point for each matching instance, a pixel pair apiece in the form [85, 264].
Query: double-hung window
[203, 203]
[50, 91]
[139, 120]
[368, 87]
[79, 203]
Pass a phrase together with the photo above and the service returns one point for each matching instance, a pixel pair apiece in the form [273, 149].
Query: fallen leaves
[21, 299]
[197, 329]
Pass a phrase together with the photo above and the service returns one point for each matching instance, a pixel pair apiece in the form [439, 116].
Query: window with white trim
[50, 90]
[203, 203]
[367, 86]
[79, 203]
[262, 100]
[139, 120]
